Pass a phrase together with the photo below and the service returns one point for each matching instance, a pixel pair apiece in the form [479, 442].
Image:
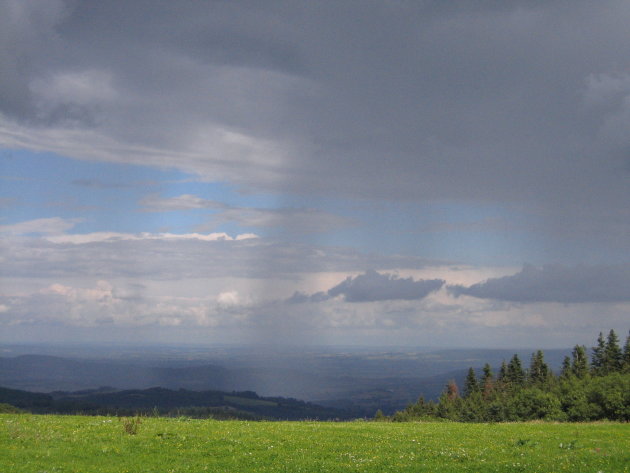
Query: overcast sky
[313, 172]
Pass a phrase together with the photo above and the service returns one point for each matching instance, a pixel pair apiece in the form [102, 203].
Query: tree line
[584, 390]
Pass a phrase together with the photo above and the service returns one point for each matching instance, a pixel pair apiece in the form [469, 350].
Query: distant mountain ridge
[162, 401]
[365, 381]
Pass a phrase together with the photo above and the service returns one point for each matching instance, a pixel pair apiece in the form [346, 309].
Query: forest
[585, 390]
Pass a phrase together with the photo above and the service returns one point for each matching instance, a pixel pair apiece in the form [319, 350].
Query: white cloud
[45, 226]
[246, 236]
[82, 238]
[155, 203]
[228, 299]
[429, 321]
[176, 257]
[103, 304]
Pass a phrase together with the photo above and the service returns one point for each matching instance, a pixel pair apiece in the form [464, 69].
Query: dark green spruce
[599, 390]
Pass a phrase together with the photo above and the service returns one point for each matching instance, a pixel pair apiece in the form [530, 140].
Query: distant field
[46, 444]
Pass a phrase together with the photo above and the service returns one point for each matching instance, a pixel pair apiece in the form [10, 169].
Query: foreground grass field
[46, 444]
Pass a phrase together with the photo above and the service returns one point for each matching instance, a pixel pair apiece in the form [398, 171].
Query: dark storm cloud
[484, 101]
[374, 286]
[555, 284]
[26, 38]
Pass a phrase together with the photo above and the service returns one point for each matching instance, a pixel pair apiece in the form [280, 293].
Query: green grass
[49, 444]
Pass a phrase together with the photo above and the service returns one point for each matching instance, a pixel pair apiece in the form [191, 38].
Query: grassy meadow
[46, 444]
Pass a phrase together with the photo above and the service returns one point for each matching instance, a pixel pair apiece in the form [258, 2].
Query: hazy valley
[359, 379]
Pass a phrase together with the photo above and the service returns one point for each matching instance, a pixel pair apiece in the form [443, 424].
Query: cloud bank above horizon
[430, 172]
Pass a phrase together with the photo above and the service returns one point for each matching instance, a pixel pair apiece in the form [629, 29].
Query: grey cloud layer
[176, 259]
[105, 307]
[556, 284]
[518, 100]
[373, 286]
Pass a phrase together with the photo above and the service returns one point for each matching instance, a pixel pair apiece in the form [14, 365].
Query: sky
[444, 174]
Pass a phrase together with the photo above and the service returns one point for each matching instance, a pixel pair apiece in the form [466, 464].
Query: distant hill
[51, 373]
[25, 399]
[364, 393]
[364, 380]
[216, 404]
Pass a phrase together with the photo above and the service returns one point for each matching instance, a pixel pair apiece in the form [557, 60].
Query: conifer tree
[626, 354]
[421, 402]
[612, 354]
[449, 402]
[577, 397]
[503, 372]
[487, 381]
[579, 366]
[452, 391]
[515, 373]
[539, 371]
[599, 354]
[487, 372]
[471, 386]
[566, 370]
